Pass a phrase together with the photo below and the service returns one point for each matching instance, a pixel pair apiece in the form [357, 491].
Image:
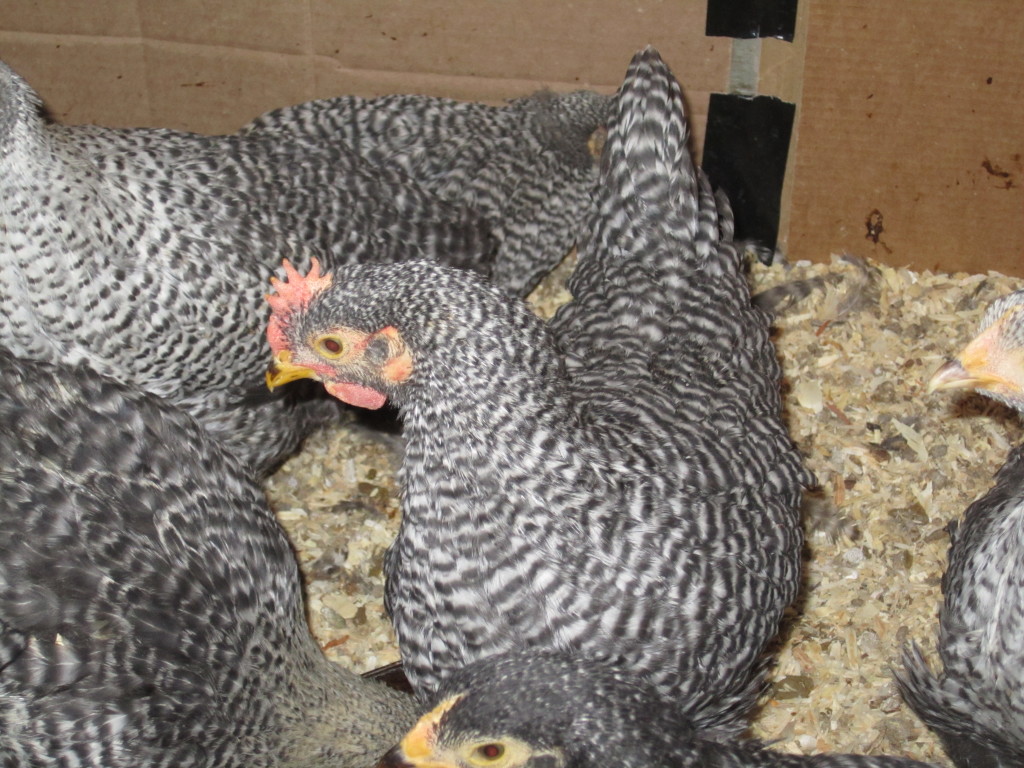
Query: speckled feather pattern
[596, 716]
[150, 604]
[146, 252]
[1013, 333]
[618, 482]
[976, 704]
[643, 507]
[524, 167]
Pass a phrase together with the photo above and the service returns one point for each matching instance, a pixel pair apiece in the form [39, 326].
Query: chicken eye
[331, 346]
[490, 752]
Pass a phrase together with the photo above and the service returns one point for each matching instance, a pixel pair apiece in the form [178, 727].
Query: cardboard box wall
[909, 114]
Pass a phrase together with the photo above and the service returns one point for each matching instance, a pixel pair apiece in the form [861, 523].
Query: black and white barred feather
[976, 703]
[150, 604]
[618, 483]
[146, 252]
[527, 168]
[564, 711]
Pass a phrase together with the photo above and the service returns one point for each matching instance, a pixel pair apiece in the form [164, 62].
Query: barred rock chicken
[550, 711]
[150, 605]
[145, 252]
[617, 483]
[525, 167]
[976, 704]
[993, 362]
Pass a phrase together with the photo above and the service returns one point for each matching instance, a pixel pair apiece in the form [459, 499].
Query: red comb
[293, 293]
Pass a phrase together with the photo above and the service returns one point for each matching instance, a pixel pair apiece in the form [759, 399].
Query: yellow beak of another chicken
[282, 370]
[987, 364]
[953, 375]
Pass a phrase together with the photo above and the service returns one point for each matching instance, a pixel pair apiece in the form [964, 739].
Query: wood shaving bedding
[858, 342]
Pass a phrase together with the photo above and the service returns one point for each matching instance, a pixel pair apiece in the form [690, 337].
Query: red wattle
[354, 394]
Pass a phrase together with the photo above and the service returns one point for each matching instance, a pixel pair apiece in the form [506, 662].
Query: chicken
[976, 703]
[150, 606]
[527, 709]
[145, 252]
[993, 362]
[618, 483]
[525, 167]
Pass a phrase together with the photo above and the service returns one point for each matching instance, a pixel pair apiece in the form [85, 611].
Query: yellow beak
[282, 370]
[953, 375]
[984, 364]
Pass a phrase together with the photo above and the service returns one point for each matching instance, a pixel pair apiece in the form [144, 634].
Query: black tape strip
[752, 18]
[745, 150]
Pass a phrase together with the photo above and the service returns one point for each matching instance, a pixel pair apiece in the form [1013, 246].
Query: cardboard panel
[257, 25]
[909, 143]
[532, 40]
[211, 67]
[131, 82]
[212, 89]
[83, 79]
[101, 18]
